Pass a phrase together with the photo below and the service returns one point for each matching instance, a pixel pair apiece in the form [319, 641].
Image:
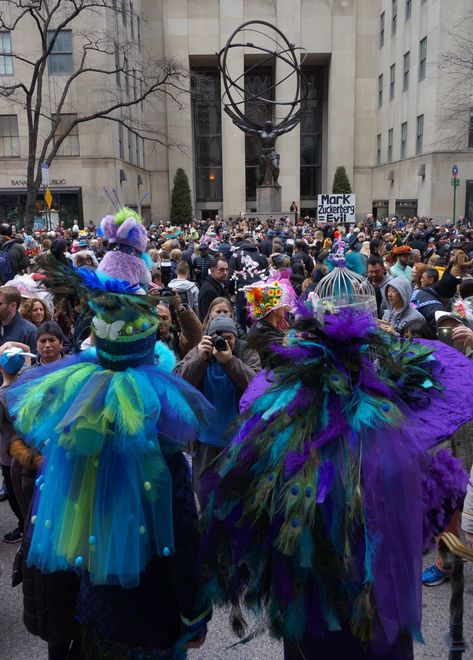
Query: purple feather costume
[320, 508]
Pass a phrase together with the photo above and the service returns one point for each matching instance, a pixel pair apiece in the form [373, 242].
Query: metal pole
[457, 644]
[454, 201]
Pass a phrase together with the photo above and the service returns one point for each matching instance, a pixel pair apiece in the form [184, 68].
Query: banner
[336, 208]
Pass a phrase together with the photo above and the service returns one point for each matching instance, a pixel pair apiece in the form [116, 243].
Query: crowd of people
[228, 306]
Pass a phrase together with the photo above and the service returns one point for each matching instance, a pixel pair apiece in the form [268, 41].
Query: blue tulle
[103, 500]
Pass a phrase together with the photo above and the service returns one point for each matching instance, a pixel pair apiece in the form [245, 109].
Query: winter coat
[210, 290]
[246, 250]
[399, 318]
[461, 264]
[242, 369]
[18, 257]
[260, 337]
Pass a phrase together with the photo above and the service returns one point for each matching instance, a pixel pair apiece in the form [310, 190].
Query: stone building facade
[378, 104]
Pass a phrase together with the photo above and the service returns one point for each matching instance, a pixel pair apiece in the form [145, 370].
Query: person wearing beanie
[13, 357]
[436, 298]
[221, 367]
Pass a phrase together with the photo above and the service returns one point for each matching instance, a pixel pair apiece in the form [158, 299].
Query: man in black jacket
[214, 285]
[18, 257]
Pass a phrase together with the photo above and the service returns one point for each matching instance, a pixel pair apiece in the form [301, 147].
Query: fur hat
[402, 249]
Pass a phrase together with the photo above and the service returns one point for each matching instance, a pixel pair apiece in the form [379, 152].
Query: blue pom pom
[79, 561]
[166, 552]
[92, 540]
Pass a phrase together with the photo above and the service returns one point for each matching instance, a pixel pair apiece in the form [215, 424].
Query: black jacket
[261, 336]
[209, 290]
[18, 257]
[236, 263]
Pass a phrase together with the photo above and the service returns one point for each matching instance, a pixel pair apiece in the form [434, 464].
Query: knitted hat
[265, 297]
[447, 286]
[223, 323]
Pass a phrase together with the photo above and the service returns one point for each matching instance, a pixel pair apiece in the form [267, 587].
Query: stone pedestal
[268, 199]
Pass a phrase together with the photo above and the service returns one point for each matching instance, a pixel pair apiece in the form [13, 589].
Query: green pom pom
[125, 213]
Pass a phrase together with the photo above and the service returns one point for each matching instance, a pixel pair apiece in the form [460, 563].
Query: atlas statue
[236, 96]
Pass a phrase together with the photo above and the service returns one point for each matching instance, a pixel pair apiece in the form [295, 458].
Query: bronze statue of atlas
[235, 95]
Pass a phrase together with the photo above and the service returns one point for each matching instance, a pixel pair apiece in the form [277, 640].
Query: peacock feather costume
[314, 517]
[104, 419]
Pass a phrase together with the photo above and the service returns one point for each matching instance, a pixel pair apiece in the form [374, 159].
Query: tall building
[380, 104]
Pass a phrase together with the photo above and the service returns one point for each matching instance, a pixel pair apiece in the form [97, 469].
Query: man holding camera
[221, 366]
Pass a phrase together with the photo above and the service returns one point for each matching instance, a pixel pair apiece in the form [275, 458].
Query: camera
[219, 342]
[166, 292]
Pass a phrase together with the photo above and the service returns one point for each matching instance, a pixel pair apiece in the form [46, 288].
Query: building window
[127, 77]
[132, 23]
[392, 81]
[138, 31]
[380, 91]
[378, 149]
[422, 58]
[117, 66]
[403, 139]
[143, 152]
[420, 134]
[394, 17]
[9, 138]
[70, 145]
[60, 61]
[405, 76]
[6, 59]
[381, 29]
[311, 138]
[390, 145]
[207, 125]
[121, 150]
[408, 9]
[470, 130]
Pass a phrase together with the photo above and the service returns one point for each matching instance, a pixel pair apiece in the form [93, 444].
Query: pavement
[17, 644]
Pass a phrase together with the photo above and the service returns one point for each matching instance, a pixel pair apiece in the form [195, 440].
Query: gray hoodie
[399, 318]
[190, 289]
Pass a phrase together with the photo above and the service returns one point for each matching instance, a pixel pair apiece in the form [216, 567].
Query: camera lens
[220, 343]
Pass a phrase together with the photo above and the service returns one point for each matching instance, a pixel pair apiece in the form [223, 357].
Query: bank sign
[336, 208]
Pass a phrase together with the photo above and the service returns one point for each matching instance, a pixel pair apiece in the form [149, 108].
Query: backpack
[6, 268]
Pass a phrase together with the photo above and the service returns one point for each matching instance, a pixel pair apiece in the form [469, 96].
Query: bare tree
[456, 65]
[106, 57]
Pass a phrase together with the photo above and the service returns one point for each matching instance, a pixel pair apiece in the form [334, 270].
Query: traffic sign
[455, 182]
[45, 174]
[48, 198]
[454, 171]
